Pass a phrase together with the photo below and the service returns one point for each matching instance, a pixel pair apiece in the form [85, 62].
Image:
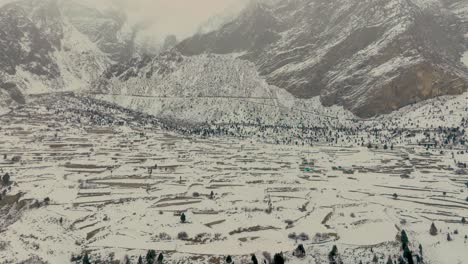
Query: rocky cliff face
[106, 28]
[371, 57]
[24, 42]
[52, 45]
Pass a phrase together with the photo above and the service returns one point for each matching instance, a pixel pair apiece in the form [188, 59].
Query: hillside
[372, 57]
[209, 88]
[48, 46]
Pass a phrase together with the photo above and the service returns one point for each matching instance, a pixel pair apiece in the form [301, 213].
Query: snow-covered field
[120, 190]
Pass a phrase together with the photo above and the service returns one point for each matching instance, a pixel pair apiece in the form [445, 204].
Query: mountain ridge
[331, 48]
[370, 57]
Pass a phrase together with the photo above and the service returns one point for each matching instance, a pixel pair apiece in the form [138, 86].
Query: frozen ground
[120, 189]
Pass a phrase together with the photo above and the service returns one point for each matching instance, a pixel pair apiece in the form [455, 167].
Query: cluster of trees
[303, 135]
[334, 257]
[407, 256]
[434, 232]
[283, 131]
[278, 258]
[151, 258]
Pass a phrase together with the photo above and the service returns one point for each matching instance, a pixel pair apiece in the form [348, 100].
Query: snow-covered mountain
[53, 45]
[210, 88]
[371, 57]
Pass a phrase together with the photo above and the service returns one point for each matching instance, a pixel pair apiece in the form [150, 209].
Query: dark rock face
[22, 42]
[372, 57]
[142, 67]
[102, 28]
[13, 92]
[253, 30]
[47, 45]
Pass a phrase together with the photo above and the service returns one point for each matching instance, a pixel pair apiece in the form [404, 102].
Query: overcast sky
[179, 17]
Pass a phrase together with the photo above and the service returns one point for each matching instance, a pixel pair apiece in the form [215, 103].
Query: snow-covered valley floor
[120, 190]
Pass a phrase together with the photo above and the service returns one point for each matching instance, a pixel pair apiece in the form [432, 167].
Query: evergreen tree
[254, 259]
[126, 260]
[333, 252]
[86, 259]
[401, 260]
[463, 220]
[449, 238]
[229, 259]
[160, 258]
[6, 179]
[404, 238]
[278, 258]
[389, 260]
[140, 260]
[433, 230]
[375, 259]
[183, 218]
[420, 250]
[150, 256]
[300, 251]
[408, 255]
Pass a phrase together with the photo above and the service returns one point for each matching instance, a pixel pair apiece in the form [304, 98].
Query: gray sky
[179, 17]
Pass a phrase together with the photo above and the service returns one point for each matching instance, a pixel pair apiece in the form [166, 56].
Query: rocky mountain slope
[209, 88]
[53, 45]
[371, 57]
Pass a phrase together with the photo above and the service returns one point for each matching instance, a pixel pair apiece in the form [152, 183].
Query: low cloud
[178, 17]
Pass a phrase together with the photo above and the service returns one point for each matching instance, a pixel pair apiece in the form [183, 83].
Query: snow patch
[464, 58]
[391, 65]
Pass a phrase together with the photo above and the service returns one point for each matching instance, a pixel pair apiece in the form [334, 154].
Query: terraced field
[81, 185]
